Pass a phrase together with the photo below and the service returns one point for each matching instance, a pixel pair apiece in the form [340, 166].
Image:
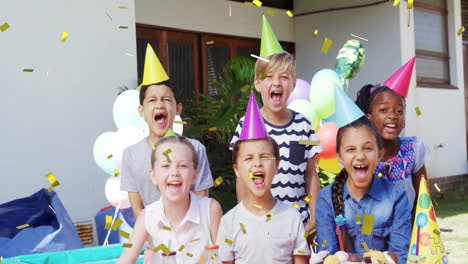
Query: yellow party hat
[153, 71]
[425, 239]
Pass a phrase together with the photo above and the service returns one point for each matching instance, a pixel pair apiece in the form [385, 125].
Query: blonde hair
[175, 140]
[283, 61]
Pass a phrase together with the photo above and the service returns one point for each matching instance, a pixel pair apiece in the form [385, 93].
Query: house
[52, 115]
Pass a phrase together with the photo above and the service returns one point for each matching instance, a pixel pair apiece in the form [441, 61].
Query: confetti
[108, 222]
[436, 232]
[52, 209]
[28, 70]
[358, 219]
[258, 206]
[116, 224]
[270, 12]
[64, 36]
[307, 198]
[163, 248]
[116, 172]
[270, 214]
[210, 42]
[267, 220]
[257, 3]
[228, 241]
[166, 154]
[128, 54]
[396, 2]
[180, 122]
[243, 229]
[301, 252]
[110, 156]
[181, 248]
[309, 142]
[410, 4]
[314, 244]
[124, 234]
[259, 58]
[356, 36]
[379, 175]
[264, 75]
[22, 226]
[214, 256]
[245, 88]
[324, 243]
[127, 245]
[248, 3]
[4, 27]
[123, 27]
[460, 31]
[295, 205]
[189, 254]
[437, 187]
[289, 13]
[213, 129]
[306, 234]
[167, 228]
[316, 32]
[326, 45]
[435, 202]
[418, 111]
[52, 180]
[365, 247]
[251, 176]
[218, 181]
[123, 7]
[368, 224]
[230, 11]
[107, 14]
[194, 240]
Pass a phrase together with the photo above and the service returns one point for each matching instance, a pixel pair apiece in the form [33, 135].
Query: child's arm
[312, 188]
[137, 239]
[204, 179]
[215, 216]
[136, 203]
[299, 259]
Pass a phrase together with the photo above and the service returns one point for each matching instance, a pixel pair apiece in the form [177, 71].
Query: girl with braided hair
[359, 210]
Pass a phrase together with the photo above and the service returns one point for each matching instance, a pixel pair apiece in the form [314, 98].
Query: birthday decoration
[153, 71]
[253, 126]
[400, 80]
[125, 111]
[269, 44]
[350, 59]
[307, 109]
[323, 86]
[330, 165]
[346, 111]
[114, 195]
[327, 136]
[301, 91]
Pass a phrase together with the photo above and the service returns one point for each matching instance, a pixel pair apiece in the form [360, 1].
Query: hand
[308, 229]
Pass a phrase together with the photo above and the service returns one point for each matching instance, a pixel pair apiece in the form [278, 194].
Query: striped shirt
[289, 185]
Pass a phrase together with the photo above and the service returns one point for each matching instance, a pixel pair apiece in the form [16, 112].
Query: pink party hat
[253, 127]
[400, 80]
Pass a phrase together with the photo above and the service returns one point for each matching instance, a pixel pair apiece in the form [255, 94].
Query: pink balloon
[114, 194]
[301, 91]
[327, 136]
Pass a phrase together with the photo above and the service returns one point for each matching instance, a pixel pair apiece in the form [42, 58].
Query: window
[431, 41]
[282, 4]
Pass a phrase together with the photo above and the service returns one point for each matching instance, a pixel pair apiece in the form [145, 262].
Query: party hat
[346, 111]
[153, 71]
[253, 127]
[400, 80]
[269, 44]
[170, 133]
[425, 239]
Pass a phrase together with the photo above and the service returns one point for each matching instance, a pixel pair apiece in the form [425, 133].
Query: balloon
[322, 92]
[301, 91]
[125, 111]
[330, 165]
[124, 138]
[305, 107]
[350, 59]
[327, 136]
[177, 127]
[114, 194]
[331, 118]
[102, 149]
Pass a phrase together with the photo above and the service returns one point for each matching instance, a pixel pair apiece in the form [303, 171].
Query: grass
[452, 217]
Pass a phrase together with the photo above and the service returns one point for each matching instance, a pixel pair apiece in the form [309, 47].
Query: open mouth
[258, 179]
[390, 127]
[360, 171]
[160, 119]
[175, 186]
[276, 96]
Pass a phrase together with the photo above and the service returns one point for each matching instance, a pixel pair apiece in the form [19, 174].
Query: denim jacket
[392, 219]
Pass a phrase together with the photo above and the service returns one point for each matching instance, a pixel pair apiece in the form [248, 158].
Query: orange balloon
[327, 136]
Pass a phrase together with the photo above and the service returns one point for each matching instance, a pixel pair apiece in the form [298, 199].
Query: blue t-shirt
[392, 219]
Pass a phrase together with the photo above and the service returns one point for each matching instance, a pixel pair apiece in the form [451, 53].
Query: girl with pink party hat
[404, 157]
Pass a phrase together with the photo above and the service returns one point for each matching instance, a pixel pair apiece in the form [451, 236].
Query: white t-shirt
[273, 241]
[192, 232]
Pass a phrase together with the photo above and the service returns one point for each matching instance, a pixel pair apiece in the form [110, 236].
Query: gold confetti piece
[123, 7]
[230, 11]
[379, 175]
[108, 222]
[270, 214]
[166, 154]
[396, 2]
[214, 256]
[245, 88]
[152, 145]
[110, 156]
[167, 228]
[301, 252]
[189, 254]
[180, 122]
[436, 232]
[251, 174]
[326, 45]
[418, 111]
[228, 241]
[365, 247]
[314, 244]
[127, 245]
[4, 27]
[64, 36]
[163, 248]
[22, 226]
[218, 181]
[181, 248]
[264, 75]
[257, 3]
[50, 188]
[289, 13]
[309, 142]
[437, 187]
[270, 12]
[258, 206]
[248, 3]
[28, 70]
[210, 42]
[268, 219]
[307, 198]
[358, 219]
[460, 31]
[124, 234]
[123, 27]
[324, 243]
[367, 225]
[243, 228]
[116, 172]
[316, 32]
[259, 58]
[194, 240]
[213, 129]
[52, 179]
[295, 205]
[410, 4]
[116, 224]
[306, 234]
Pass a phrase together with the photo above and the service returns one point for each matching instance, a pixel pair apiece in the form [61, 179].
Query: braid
[338, 206]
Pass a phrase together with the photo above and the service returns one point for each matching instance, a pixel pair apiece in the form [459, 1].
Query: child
[179, 216]
[296, 181]
[404, 157]
[357, 200]
[260, 229]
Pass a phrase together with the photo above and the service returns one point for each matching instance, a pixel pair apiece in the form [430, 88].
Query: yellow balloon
[330, 165]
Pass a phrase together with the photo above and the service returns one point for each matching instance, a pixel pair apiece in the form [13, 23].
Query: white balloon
[124, 138]
[178, 128]
[125, 111]
[102, 148]
[114, 194]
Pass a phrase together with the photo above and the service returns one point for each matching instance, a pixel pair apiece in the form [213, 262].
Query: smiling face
[159, 109]
[173, 178]
[275, 90]
[256, 165]
[359, 153]
[388, 114]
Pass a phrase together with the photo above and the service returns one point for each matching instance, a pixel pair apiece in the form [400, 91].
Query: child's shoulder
[286, 211]
[196, 144]
[138, 147]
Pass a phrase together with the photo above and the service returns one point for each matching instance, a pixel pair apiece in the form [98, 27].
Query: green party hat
[269, 44]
